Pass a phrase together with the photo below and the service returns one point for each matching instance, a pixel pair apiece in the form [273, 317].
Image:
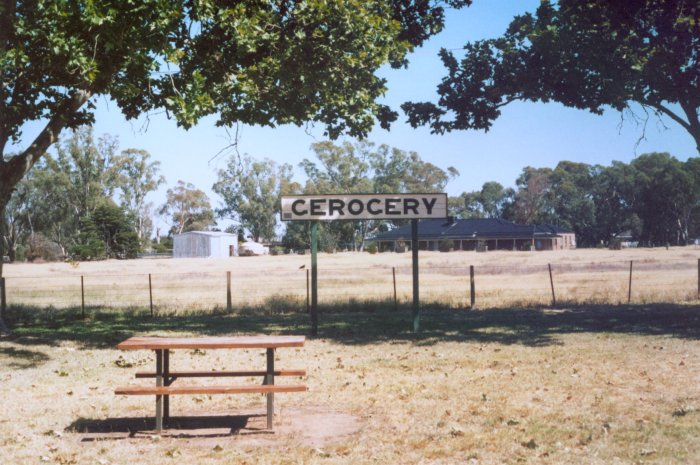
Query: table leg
[159, 383]
[167, 382]
[270, 379]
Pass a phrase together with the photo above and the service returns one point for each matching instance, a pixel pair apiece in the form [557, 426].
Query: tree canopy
[188, 208]
[251, 192]
[361, 167]
[585, 54]
[51, 207]
[655, 198]
[262, 62]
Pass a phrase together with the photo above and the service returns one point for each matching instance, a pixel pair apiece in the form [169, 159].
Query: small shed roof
[208, 233]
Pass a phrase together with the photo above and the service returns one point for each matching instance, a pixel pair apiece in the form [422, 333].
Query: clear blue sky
[531, 134]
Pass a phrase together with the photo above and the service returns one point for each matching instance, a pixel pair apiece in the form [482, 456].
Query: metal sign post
[314, 278]
[354, 207]
[416, 287]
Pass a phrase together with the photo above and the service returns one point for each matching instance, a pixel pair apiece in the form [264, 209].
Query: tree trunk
[13, 170]
[4, 331]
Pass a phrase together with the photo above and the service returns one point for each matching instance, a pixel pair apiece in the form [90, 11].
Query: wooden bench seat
[221, 374]
[239, 389]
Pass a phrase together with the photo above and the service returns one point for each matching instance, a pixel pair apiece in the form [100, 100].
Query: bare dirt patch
[311, 426]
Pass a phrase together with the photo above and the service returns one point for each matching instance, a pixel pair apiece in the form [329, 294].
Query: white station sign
[363, 207]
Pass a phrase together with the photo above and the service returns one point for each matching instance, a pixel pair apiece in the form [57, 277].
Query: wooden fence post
[396, 302]
[698, 278]
[150, 293]
[472, 287]
[82, 296]
[629, 289]
[551, 283]
[229, 306]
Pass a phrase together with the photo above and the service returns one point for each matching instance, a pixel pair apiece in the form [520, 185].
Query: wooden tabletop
[234, 342]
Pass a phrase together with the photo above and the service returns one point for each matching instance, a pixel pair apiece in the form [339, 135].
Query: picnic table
[164, 377]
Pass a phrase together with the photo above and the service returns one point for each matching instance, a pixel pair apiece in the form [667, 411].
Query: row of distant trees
[252, 189]
[88, 200]
[656, 198]
[66, 206]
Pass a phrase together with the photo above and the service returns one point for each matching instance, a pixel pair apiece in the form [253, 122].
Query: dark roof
[477, 228]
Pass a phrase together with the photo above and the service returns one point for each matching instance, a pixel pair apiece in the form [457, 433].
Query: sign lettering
[363, 206]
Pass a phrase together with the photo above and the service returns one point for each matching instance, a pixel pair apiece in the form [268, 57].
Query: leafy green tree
[692, 167]
[296, 235]
[63, 190]
[188, 207]
[464, 206]
[44, 207]
[266, 63]
[360, 168]
[494, 199]
[116, 229]
[396, 170]
[137, 177]
[86, 169]
[107, 233]
[14, 221]
[585, 54]
[664, 198]
[340, 169]
[533, 198]
[89, 245]
[251, 192]
[572, 199]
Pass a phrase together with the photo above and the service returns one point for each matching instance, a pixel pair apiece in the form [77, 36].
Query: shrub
[446, 245]
[277, 250]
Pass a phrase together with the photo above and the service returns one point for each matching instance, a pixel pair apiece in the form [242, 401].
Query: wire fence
[285, 290]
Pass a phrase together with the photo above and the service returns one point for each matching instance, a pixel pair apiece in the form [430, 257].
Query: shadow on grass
[358, 323]
[181, 427]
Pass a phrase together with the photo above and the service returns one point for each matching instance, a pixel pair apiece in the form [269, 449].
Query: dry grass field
[280, 282]
[590, 383]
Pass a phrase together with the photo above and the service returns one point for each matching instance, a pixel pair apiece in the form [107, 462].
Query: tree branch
[14, 169]
[666, 111]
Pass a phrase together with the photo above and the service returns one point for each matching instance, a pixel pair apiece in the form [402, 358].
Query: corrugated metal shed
[205, 244]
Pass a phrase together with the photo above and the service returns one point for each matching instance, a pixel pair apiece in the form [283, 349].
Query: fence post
[551, 283]
[629, 289]
[150, 293]
[82, 296]
[3, 296]
[472, 287]
[698, 278]
[396, 302]
[229, 308]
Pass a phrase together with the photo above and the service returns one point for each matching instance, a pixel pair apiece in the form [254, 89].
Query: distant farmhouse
[477, 234]
[205, 244]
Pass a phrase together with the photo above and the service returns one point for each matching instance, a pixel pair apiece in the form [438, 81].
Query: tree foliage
[585, 54]
[264, 62]
[138, 176]
[251, 192]
[107, 232]
[361, 167]
[60, 196]
[189, 209]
